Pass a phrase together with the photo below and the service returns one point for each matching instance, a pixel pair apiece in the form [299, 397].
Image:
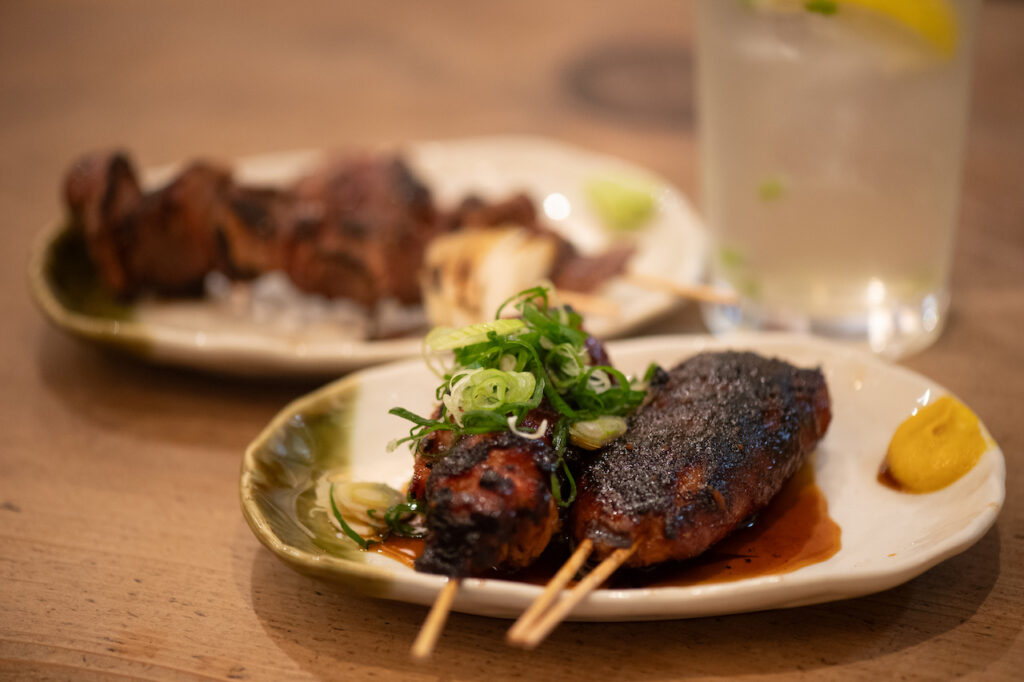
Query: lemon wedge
[934, 21]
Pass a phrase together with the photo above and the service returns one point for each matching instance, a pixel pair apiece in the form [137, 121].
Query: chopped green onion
[644, 382]
[395, 518]
[593, 434]
[352, 535]
[556, 486]
[503, 369]
[444, 338]
[513, 426]
[489, 389]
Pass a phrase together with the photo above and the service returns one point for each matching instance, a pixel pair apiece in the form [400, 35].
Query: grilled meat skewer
[356, 229]
[365, 224]
[100, 190]
[488, 499]
[719, 436]
[168, 241]
[489, 505]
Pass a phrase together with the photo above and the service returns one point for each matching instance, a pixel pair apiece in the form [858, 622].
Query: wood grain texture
[123, 553]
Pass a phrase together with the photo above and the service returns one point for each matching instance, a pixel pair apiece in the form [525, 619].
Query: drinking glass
[832, 140]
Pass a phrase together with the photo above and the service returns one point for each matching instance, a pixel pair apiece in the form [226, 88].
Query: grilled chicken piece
[564, 265]
[715, 442]
[169, 242]
[357, 229]
[577, 272]
[488, 499]
[474, 211]
[253, 226]
[101, 189]
[166, 241]
[364, 227]
[467, 274]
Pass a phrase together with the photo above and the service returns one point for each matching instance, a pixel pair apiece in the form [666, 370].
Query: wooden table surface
[123, 551]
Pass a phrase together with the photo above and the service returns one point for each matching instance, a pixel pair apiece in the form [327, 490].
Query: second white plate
[200, 334]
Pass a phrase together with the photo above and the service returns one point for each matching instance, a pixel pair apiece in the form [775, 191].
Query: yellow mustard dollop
[936, 446]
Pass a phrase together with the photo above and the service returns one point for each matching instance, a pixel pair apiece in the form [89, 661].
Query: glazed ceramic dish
[887, 537]
[199, 333]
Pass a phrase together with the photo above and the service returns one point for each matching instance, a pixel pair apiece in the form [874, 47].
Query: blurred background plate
[198, 333]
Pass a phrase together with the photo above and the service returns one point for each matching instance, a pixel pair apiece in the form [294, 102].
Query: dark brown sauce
[886, 478]
[402, 550]
[793, 531]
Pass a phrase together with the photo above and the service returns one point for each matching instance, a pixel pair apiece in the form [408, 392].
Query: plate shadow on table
[332, 633]
[117, 391]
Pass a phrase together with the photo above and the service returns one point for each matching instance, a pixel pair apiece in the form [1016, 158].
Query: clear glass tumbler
[832, 140]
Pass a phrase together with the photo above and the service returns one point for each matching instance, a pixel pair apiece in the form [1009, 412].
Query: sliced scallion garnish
[505, 368]
[352, 535]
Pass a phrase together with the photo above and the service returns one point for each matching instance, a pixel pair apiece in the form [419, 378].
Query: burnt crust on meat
[715, 442]
[100, 190]
[168, 241]
[365, 224]
[468, 452]
[488, 501]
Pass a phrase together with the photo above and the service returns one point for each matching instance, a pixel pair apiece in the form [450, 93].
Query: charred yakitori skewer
[166, 241]
[487, 500]
[365, 222]
[100, 189]
[718, 437]
[488, 507]
[355, 229]
[490, 469]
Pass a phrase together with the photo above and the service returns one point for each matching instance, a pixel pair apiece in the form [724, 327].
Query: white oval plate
[199, 334]
[888, 537]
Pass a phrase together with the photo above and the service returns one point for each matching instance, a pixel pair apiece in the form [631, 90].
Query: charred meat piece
[488, 500]
[101, 189]
[570, 269]
[253, 225]
[714, 443]
[364, 225]
[474, 211]
[518, 210]
[166, 241]
[576, 272]
[169, 242]
[431, 450]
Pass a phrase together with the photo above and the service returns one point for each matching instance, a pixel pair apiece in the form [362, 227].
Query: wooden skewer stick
[434, 624]
[707, 294]
[589, 304]
[551, 591]
[543, 627]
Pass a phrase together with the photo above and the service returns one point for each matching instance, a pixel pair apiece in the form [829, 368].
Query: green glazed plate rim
[870, 396]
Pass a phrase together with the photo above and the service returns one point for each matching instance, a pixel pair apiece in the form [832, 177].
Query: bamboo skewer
[551, 591]
[699, 292]
[589, 304]
[434, 624]
[543, 626]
